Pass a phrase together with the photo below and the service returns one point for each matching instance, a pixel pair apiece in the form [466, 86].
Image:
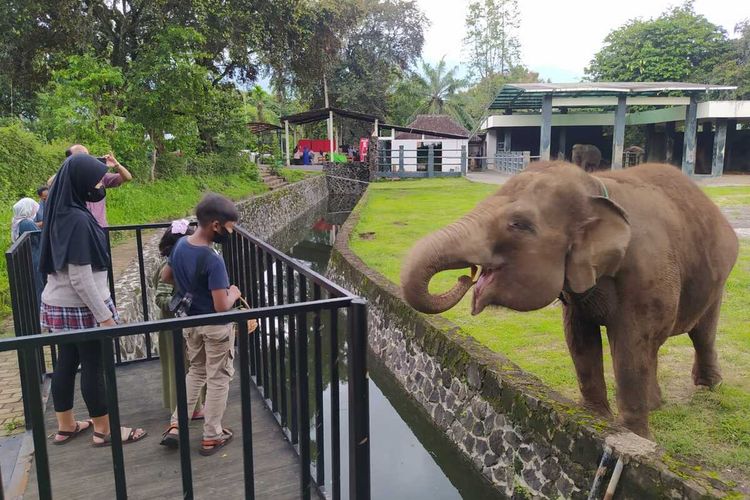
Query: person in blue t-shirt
[42, 192]
[194, 267]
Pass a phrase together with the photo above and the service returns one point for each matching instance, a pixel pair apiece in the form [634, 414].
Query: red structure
[317, 145]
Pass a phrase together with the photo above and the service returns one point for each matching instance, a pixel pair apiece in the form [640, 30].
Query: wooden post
[545, 139]
[720, 142]
[563, 142]
[618, 137]
[377, 131]
[506, 140]
[691, 129]
[669, 142]
[286, 141]
[464, 160]
[430, 161]
[401, 158]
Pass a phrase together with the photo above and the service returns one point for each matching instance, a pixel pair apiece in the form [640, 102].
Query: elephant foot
[636, 424]
[601, 409]
[706, 376]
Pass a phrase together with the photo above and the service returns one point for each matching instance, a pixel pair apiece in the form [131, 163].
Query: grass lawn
[710, 427]
[296, 174]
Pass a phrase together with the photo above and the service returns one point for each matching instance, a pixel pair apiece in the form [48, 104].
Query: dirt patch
[400, 223]
[367, 236]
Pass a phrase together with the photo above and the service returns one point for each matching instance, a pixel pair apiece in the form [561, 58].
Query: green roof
[530, 95]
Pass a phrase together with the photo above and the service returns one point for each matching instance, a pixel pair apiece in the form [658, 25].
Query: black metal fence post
[182, 415]
[335, 424]
[113, 412]
[303, 397]
[318, 369]
[247, 421]
[359, 410]
[36, 413]
[144, 296]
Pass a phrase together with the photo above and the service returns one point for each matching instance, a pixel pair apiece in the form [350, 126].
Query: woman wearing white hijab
[24, 210]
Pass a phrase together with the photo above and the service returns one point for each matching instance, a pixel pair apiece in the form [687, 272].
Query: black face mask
[96, 194]
[221, 237]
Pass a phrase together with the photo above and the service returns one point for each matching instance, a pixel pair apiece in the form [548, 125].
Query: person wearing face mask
[195, 268]
[73, 255]
[97, 205]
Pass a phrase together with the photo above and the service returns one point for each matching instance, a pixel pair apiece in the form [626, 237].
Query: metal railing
[287, 298]
[429, 162]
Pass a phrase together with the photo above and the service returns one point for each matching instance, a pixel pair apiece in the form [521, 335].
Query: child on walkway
[195, 268]
[164, 292]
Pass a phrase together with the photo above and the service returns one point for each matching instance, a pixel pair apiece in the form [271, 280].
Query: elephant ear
[598, 246]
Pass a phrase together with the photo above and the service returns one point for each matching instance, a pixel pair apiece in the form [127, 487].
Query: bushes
[138, 202]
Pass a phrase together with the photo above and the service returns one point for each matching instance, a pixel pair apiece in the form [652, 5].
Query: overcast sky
[559, 37]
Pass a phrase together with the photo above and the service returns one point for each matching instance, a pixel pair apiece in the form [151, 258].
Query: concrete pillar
[491, 148]
[689, 143]
[562, 142]
[545, 138]
[720, 141]
[430, 161]
[401, 158]
[286, 140]
[506, 140]
[464, 160]
[330, 134]
[729, 152]
[618, 137]
[669, 142]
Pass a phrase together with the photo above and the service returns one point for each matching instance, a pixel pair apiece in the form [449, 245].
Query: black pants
[89, 356]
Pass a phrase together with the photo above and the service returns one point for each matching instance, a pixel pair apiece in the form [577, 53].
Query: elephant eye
[521, 225]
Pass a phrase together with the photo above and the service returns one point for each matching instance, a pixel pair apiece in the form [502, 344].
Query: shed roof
[441, 125]
[529, 95]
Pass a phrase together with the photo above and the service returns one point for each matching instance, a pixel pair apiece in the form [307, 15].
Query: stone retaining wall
[523, 437]
[347, 178]
[266, 216]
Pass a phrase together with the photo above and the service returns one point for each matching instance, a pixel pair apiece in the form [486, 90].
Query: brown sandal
[169, 439]
[108, 438]
[215, 444]
[68, 435]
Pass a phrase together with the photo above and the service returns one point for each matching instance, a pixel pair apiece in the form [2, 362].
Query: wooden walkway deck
[82, 472]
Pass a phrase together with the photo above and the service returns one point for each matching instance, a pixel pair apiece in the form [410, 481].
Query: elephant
[586, 156]
[641, 251]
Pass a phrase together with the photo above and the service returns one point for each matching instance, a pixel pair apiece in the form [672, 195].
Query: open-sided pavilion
[546, 119]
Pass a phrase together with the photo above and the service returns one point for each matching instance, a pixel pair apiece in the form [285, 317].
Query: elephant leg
[585, 345]
[655, 399]
[706, 364]
[634, 376]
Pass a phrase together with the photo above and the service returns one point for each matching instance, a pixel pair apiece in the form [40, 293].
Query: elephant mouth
[485, 278]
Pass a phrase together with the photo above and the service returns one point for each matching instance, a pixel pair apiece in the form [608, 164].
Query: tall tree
[381, 46]
[679, 45]
[736, 69]
[491, 39]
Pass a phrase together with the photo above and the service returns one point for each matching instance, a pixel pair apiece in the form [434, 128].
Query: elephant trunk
[453, 247]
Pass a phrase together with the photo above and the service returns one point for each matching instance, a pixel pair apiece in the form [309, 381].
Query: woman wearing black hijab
[75, 258]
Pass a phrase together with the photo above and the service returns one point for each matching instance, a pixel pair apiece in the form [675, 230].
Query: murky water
[409, 458]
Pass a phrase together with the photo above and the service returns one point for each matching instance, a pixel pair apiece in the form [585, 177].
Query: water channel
[410, 458]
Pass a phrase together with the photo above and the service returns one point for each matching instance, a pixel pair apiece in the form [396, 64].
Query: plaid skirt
[61, 319]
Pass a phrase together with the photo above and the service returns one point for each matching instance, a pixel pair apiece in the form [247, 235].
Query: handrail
[237, 316]
[317, 278]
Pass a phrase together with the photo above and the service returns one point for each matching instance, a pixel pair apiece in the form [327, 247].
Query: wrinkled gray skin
[586, 156]
[642, 251]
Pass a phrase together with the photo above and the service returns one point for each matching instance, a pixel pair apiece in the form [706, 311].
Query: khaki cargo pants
[210, 350]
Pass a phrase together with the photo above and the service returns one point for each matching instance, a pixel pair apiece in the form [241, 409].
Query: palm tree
[437, 85]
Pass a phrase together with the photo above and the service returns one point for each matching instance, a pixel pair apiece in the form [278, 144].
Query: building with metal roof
[677, 123]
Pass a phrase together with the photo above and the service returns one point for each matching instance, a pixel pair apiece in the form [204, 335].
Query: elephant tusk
[474, 273]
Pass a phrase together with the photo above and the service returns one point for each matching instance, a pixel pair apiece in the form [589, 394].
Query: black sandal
[215, 444]
[107, 438]
[169, 439]
[68, 435]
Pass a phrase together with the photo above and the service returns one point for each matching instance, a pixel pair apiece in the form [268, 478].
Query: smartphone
[102, 159]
